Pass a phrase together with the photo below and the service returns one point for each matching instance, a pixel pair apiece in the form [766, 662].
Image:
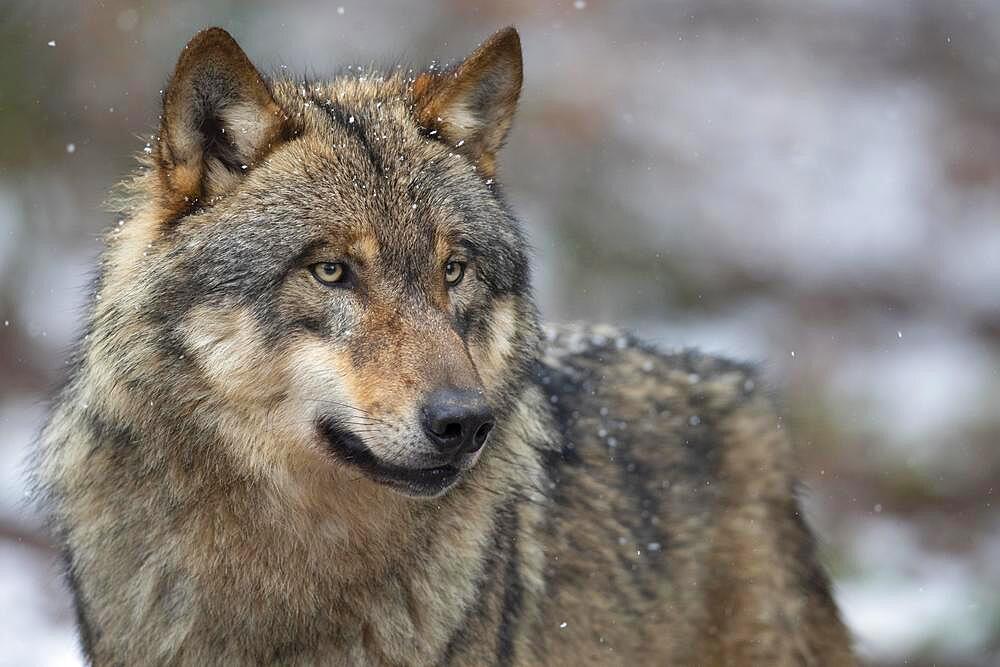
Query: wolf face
[334, 259]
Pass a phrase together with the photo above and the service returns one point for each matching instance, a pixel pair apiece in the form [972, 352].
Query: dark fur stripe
[107, 433]
[79, 608]
[356, 127]
[502, 544]
[513, 599]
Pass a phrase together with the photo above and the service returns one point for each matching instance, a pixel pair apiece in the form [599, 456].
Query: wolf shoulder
[673, 493]
[689, 417]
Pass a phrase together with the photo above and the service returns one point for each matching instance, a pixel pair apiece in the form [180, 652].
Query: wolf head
[327, 263]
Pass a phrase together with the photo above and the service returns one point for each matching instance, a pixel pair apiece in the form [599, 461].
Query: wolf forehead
[249, 175]
[359, 173]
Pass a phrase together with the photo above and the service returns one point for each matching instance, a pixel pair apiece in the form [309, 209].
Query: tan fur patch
[493, 359]
[230, 350]
[364, 247]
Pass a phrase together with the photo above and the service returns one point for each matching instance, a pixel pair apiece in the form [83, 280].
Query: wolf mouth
[348, 448]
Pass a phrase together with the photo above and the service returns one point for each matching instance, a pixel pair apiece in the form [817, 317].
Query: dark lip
[348, 448]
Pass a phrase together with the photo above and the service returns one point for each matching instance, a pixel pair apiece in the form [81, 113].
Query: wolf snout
[457, 421]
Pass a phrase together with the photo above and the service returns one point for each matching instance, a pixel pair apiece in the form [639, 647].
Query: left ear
[472, 106]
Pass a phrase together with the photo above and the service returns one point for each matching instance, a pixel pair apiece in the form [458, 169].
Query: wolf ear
[219, 119]
[472, 106]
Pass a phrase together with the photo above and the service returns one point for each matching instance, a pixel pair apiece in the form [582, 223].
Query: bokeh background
[811, 185]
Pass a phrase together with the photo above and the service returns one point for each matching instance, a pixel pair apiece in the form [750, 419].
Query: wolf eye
[453, 272]
[329, 273]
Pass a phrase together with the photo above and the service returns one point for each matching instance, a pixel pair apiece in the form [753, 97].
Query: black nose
[457, 420]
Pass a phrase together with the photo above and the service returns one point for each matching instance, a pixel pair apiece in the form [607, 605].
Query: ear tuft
[219, 120]
[472, 106]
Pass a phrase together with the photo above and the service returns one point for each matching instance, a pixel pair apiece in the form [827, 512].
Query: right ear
[472, 106]
[219, 120]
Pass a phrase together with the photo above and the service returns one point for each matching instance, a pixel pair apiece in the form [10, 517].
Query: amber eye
[453, 272]
[329, 273]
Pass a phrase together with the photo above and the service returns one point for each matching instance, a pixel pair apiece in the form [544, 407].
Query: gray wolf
[314, 419]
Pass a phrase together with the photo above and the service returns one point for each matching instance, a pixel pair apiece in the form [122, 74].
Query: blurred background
[811, 185]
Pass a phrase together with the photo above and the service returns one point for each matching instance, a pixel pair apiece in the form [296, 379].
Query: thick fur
[230, 466]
